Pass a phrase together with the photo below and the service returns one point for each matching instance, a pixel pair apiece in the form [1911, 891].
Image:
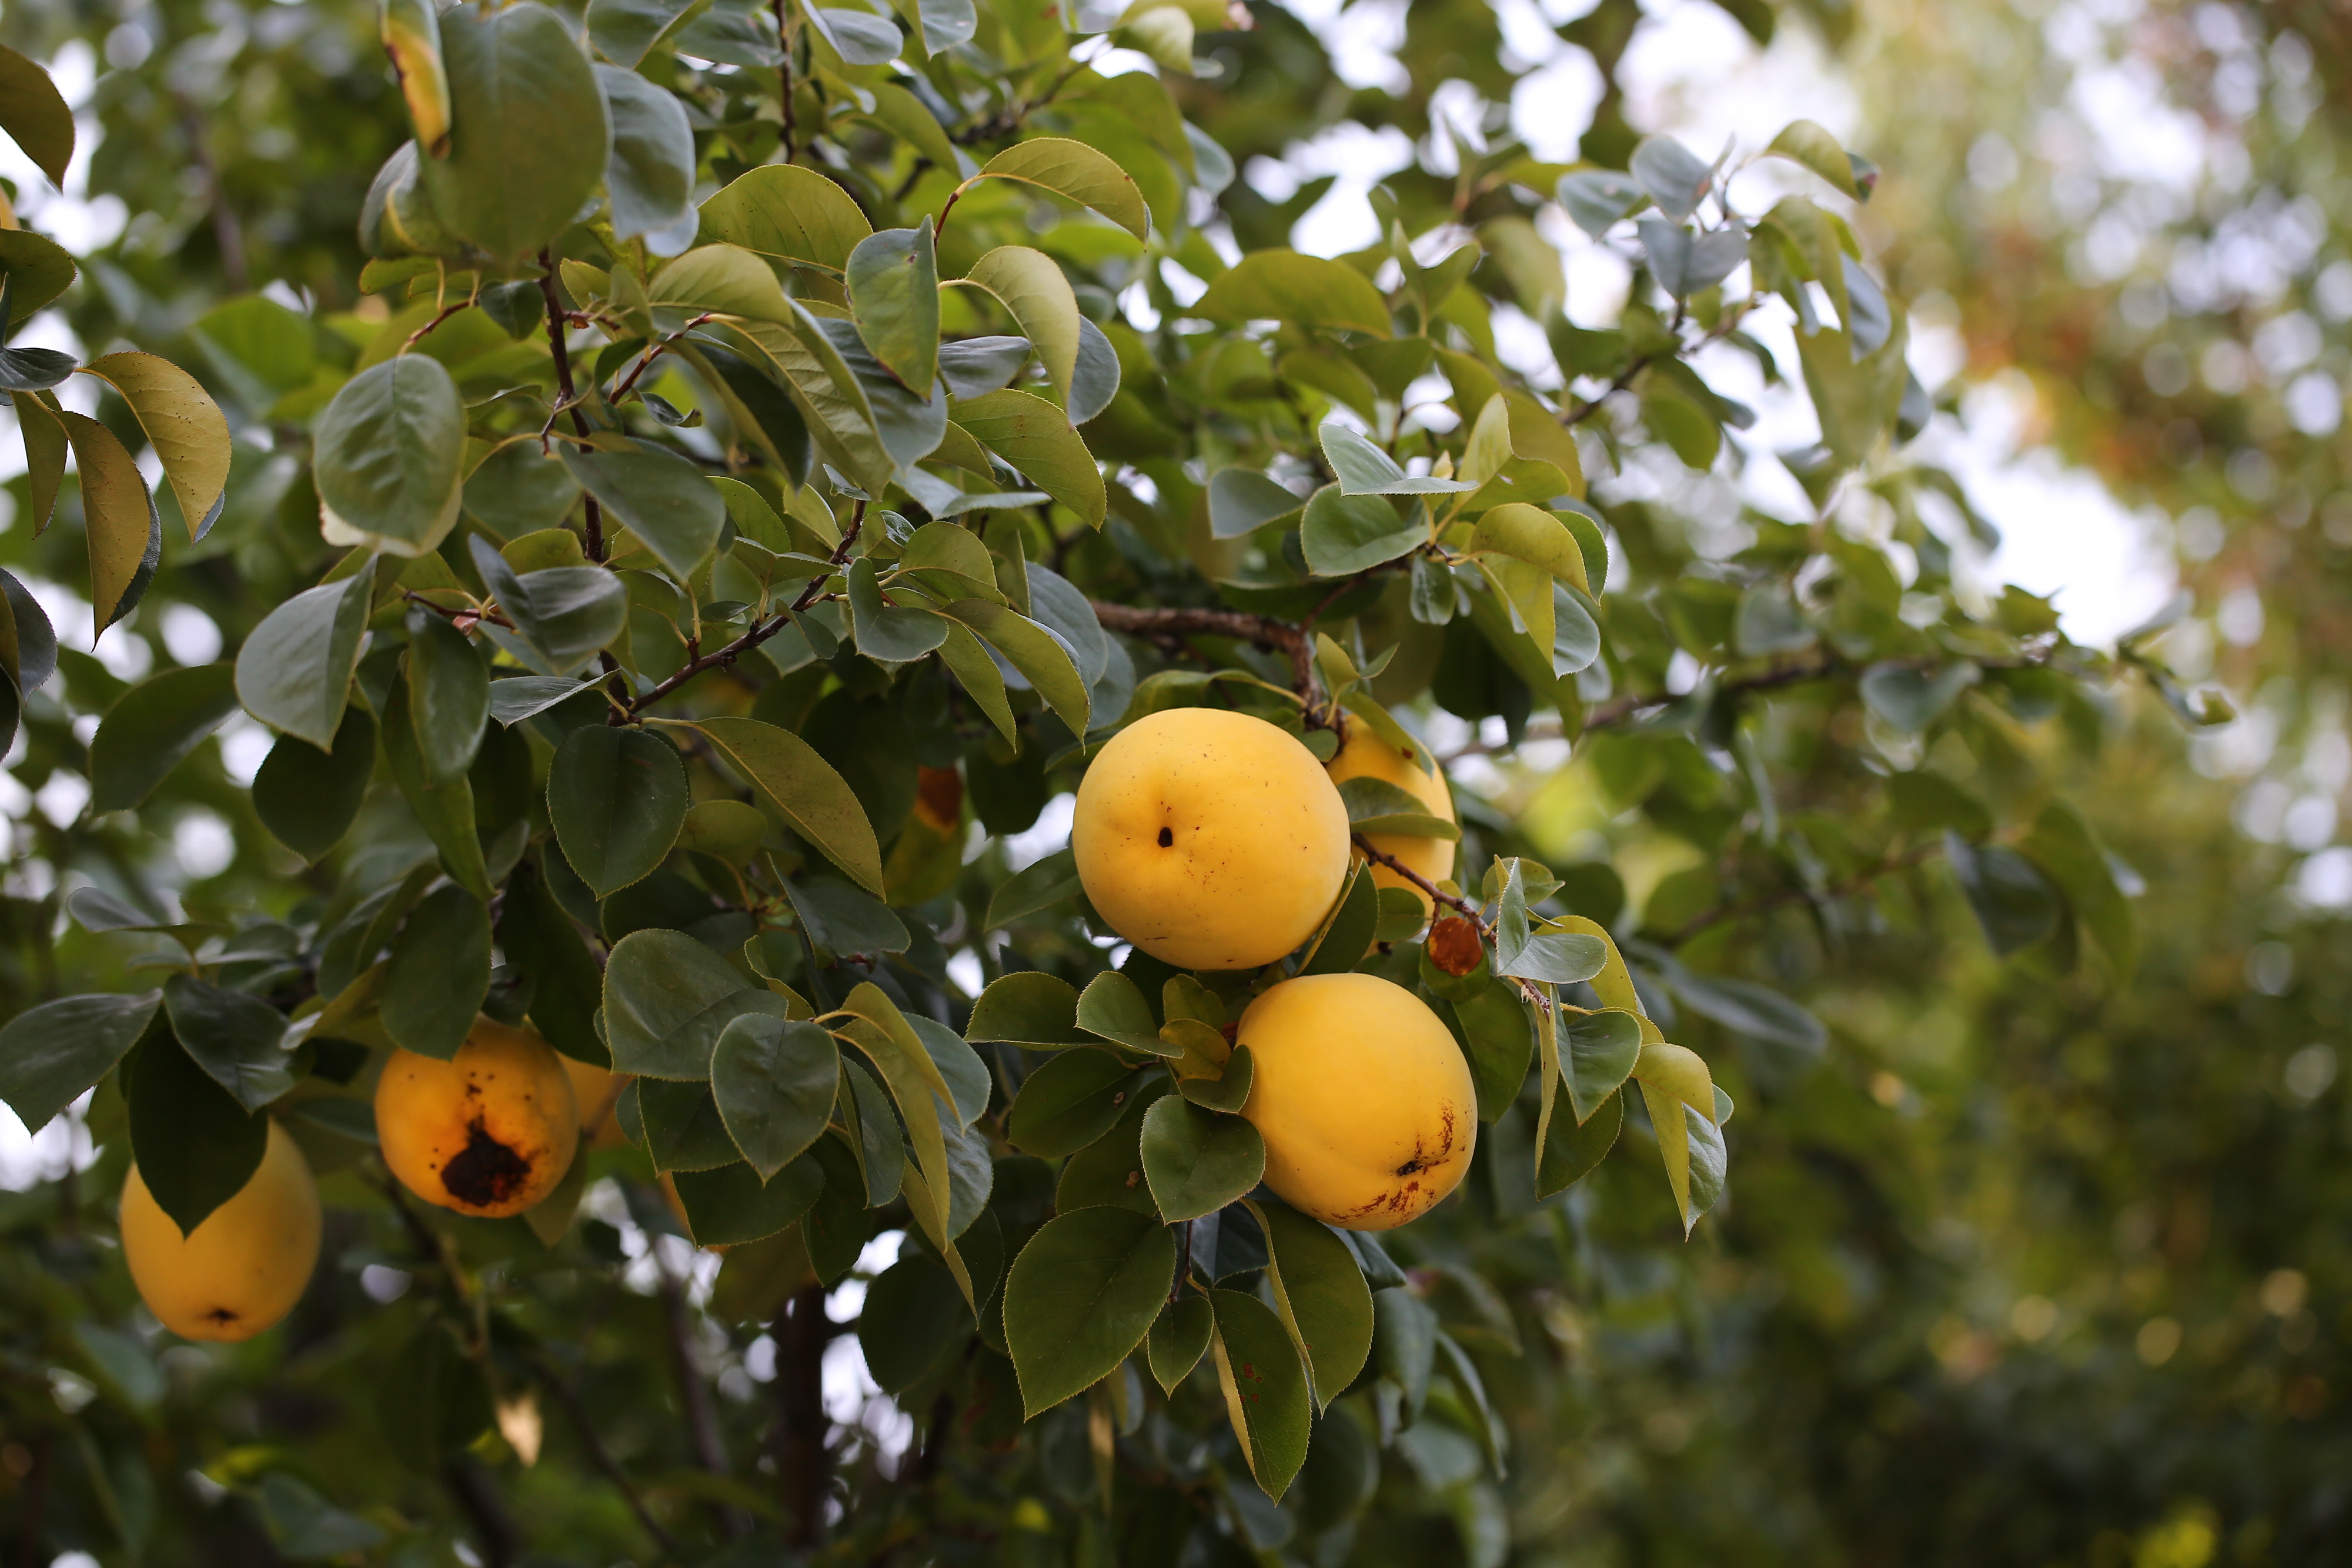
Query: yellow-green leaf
[1076, 170]
[184, 425]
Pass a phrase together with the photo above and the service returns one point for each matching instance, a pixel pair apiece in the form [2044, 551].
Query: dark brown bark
[803, 1468]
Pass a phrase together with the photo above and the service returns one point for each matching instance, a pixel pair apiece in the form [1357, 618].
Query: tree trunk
[802, 1332]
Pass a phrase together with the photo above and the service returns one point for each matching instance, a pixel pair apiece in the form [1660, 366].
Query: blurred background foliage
[2027, 1266]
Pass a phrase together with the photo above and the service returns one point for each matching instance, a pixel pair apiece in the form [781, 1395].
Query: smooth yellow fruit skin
[246, 1262]
[596, 1090]
[1365, 1101]
[487, 1133]
[1367, 755]
[1210, 840]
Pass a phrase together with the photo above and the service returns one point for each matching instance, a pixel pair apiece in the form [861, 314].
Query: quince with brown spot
[1365, 1101]
[245, 1263]
[489, 1132]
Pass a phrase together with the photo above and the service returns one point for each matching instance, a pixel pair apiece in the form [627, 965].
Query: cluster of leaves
[711, 568]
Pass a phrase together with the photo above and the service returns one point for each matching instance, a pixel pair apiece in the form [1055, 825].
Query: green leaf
[624, 30]
[1672, 174]
[389, 457]
[125, 532]
[150, 729]
[1910, 700]
[893, 279]
[448, 696]
[1363, 469]
[38, 270]
[1597, 1052]
[1377, 805]
[440, 973]
[729, 1205]
[2014, 903]
[1320, 1293]
[34, 114]
[1229, 1092]
[893, 633]
[1198, 1161]
[2063, 846]
[294, 672]
[1032, 287]
[183, 423]
[1036, 887]
[566, 985]
[529, 137]
[1037, 439]
[1067, 1102]
[1043, 659]
[788, 212]
[649, 177]
[46, 447]
[307, 797]
[51, 1052]
[1498, 1041]
[775, 1081]
[1113, 1007]
[1265, 1385]
[1075, 171]
[682, 1129]
[1242, 500]
[911, 1321]
[518, 490]
[238, 1038]
[970, 1083]
[666, 999]
[1350, 935]
[1178, 1339]
[195, 1146]
[842, 922]
[1598, 199]
[617, 798]
[1028, 1008]
[563, 614]
[666, 503]
[1572, 1148]
[791, 780]
[1803, 141]
[1081, 1296]
[720, 279]
[1756, 1011]
[1299, 290]
[1560, 956]
[1342, 534]
[446, 810]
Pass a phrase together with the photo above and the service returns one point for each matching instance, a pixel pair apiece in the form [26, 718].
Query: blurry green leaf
[2063, 847]
[1572, 1148]
[52, 1052]
[34, 114]
[1749, 1009]
[1598, 199]
[911, 1321]
[2013, 903]
[150, 729]
[1303, 290]
[38, 269]
[1672, 176]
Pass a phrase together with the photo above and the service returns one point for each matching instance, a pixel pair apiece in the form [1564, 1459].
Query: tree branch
[591, 513]
[694, 1394]
[1261, 630]
[1454, 902]
[1764, 904]
[598, 1455]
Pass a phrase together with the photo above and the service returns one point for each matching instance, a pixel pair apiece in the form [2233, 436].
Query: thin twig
[757, 635]
[469, 616]
[1261, 630]
[446, 311]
